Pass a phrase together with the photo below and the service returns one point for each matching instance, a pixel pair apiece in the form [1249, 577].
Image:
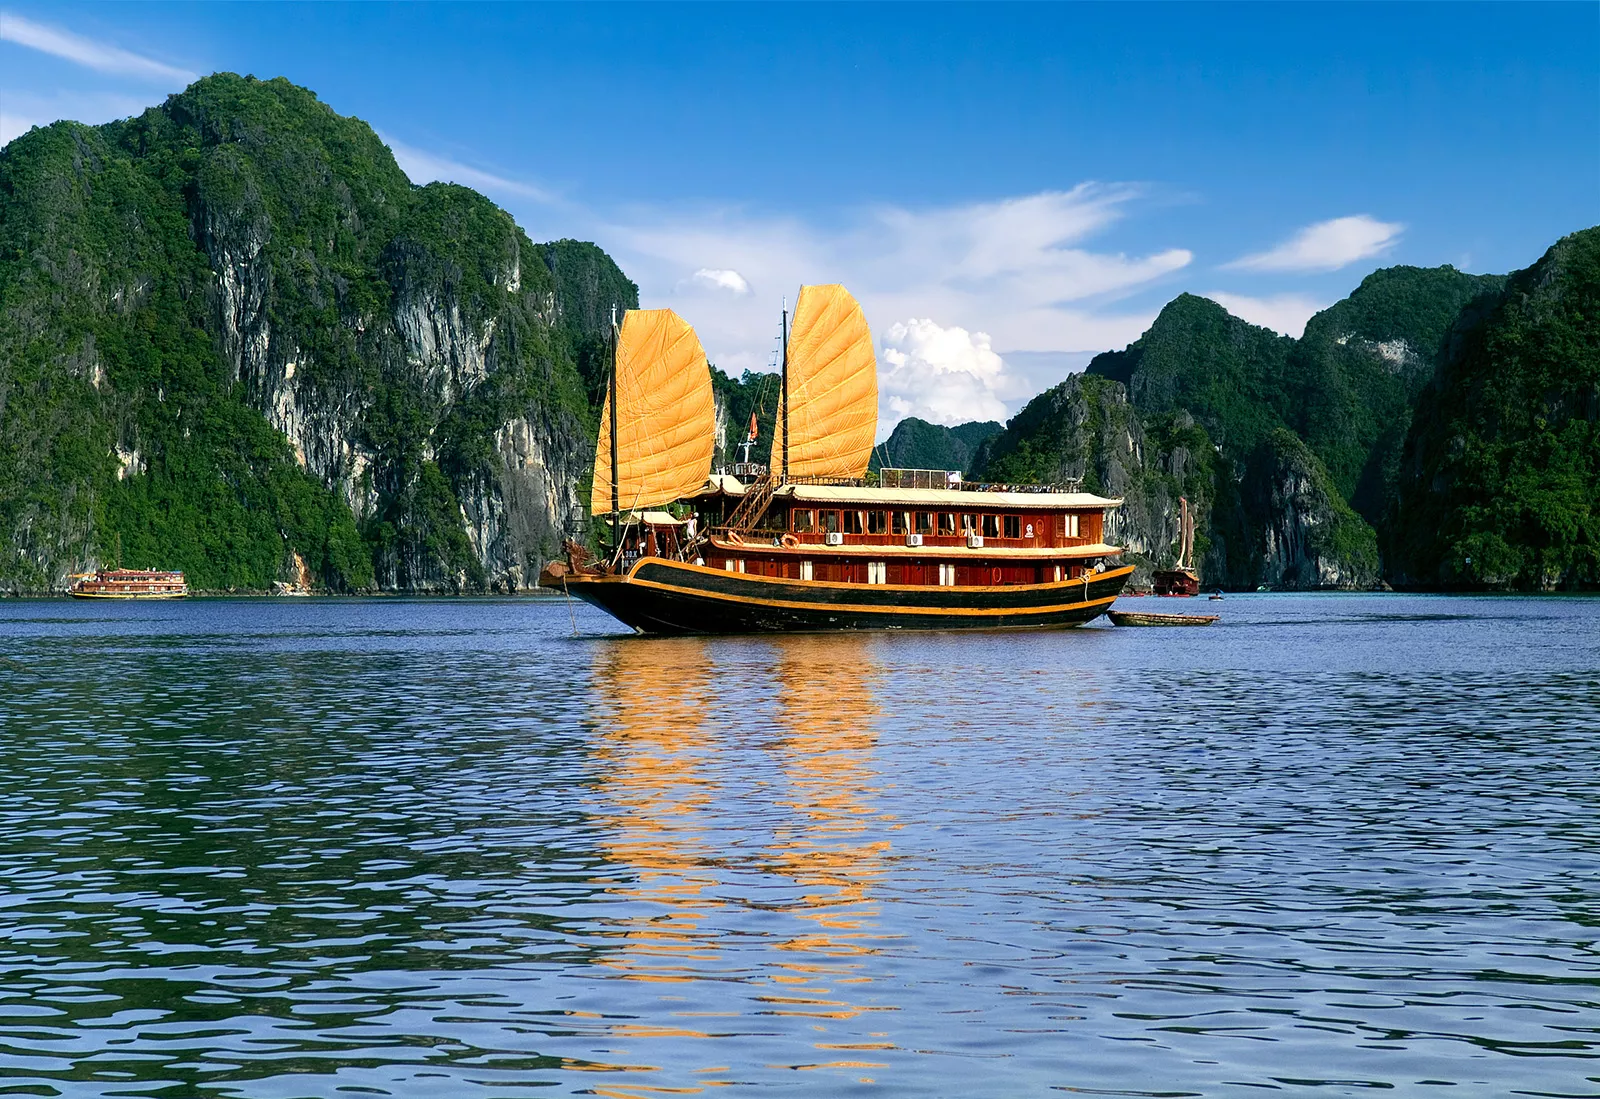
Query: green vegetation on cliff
[1355, 374]
[736, 399]
[917, 444]
[1500, 485]
[1196, 356]
[232, 331]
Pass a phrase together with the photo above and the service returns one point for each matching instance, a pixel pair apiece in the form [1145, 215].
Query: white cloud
[1285, 313]
[1326, 246]
[87, 52]
[1014, 268]
[424, 167]
[942, 375]
[718, 279]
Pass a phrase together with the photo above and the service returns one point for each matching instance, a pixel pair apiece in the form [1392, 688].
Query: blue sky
[1006, 188]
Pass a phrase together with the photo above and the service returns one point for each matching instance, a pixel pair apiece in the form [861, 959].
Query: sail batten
[833, 388]
[665, 416]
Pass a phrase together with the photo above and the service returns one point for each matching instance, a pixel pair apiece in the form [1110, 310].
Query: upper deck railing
[896, 477]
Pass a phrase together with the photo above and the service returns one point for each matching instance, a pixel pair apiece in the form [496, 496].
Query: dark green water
[305, 848]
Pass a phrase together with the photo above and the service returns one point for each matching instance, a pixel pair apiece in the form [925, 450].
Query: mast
[783, 327]
[616, 503]
[1185, 534]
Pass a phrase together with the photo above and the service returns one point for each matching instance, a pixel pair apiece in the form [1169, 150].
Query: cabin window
[899, 521]
[947, 523]
[806, 571]
[991, 526]
[924, 522]
[947, 576]
[969, 524]
[830, 522]
[877, 572]
[1013, 525]
[803, 521]
[1072, 526]
[728, 564]
[877, 522]
[853, 522]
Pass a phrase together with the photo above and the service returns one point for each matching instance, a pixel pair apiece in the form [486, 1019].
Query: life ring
[790, 541]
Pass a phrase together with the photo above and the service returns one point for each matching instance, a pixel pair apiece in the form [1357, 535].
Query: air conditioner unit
[833, 538]
[913, 539]
[974, 541]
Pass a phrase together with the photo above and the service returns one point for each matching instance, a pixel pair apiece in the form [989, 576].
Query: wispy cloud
[86, 51]
[425, 167]
[1326, 246]
[1017, 269]
[1285, 313]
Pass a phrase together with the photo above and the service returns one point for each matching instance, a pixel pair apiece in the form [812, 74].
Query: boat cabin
[957, 535]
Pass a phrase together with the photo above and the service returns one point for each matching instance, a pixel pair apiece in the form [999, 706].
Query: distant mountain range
[236, 340]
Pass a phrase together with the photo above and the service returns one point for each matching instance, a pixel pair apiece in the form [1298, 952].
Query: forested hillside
[1290, 450]
[236, 340]
[917, 444]
[1500, 482]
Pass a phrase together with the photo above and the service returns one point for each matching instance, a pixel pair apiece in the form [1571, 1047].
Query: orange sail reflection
[659, 792]
[694, 757]
[830, 846]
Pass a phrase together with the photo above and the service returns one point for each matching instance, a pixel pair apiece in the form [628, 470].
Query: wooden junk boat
[129, 584]
[1182, 580]
[811, 544]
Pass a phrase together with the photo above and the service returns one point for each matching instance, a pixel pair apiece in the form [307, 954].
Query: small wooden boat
[1133, 618]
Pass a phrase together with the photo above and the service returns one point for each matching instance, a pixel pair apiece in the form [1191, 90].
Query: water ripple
[422, 848]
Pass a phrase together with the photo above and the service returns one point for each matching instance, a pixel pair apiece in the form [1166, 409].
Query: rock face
[1305, 536]
[242, 304]
[1087, 429]
[1500, 481]
[1274, 520]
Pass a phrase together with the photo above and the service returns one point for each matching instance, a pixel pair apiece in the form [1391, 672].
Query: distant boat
[129, 584]
[1182, 580]
[1131, 618]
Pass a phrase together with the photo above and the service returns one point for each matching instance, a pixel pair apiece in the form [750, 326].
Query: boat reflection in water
[736, 838]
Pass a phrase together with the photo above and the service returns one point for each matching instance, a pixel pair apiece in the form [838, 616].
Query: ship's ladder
[753, 507]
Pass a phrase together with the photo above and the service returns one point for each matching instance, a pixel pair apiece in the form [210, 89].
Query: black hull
[668, 597]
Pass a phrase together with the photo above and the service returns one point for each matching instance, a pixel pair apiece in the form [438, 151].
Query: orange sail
[833, 388]
[666, 416]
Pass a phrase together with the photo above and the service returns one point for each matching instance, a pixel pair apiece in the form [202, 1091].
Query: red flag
[752, 427]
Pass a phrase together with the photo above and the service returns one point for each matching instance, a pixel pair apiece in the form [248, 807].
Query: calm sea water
[308, 848]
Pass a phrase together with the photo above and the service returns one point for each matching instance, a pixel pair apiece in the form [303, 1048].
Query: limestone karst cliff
[232, 331]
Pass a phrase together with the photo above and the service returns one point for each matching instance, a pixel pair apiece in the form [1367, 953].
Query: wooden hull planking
[128, 595]
[1131, 618]
[660, 596]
